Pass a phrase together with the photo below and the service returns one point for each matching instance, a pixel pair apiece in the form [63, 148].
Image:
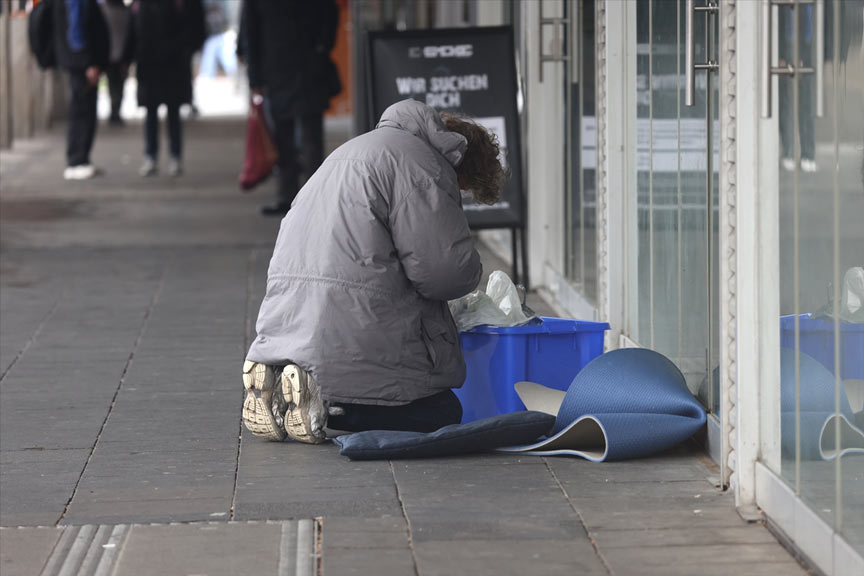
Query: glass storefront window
[672, 250]
[821, 223]
[581, 196]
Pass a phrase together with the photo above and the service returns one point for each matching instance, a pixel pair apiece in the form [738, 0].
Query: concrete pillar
[5, 82]
[22, 86]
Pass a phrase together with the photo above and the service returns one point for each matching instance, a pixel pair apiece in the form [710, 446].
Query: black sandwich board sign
[470, 71]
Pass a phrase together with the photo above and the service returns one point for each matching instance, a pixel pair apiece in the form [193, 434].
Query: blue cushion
[486, 434]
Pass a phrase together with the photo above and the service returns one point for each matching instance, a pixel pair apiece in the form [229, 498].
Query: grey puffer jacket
[372, 249]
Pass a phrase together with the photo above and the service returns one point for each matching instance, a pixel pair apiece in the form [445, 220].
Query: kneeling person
[354, 332]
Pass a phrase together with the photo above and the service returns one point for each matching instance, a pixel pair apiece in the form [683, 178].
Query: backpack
[40, 33]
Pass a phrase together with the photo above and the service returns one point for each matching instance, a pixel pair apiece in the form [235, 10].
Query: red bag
[261, 155]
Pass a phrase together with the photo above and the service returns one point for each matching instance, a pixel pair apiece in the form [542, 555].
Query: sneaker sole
[257, 415]
[298, 425]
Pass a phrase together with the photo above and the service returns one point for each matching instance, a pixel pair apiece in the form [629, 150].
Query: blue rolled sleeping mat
[818, 419]
[627, 403]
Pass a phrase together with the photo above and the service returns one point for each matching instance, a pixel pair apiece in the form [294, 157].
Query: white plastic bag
[851, 305]
[500, 305]
[852, 296]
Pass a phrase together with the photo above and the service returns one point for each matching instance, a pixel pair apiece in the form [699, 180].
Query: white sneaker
[175, 167]
[148, 168]
[81, 172]
[788, 164]
[808, 165]
[264, 407]
[307, 413]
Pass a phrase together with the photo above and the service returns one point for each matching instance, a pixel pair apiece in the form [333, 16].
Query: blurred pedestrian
[120, 28]
[355, 330]
[806, 88]
[81, 45]
[169, 32]
[287, 47]
[219, 50]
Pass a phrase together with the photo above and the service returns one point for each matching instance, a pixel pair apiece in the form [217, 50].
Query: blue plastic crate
[550, 353]
[817, 341]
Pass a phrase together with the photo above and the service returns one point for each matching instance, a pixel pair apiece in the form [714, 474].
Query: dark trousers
[175, 131]
[806, 111]
[300, 143]
[423, 415]
[116, 73]
[81, 129]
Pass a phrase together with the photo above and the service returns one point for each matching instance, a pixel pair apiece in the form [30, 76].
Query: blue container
[550, 353]
[817, 341]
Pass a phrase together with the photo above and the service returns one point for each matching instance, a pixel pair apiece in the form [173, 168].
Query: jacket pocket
[438, 341]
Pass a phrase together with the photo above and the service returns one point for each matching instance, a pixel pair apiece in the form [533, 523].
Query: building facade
[693, 176]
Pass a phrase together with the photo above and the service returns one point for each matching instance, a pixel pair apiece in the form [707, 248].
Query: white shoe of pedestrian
[808, 165]
[148, 168]
[175, 167]
[264, 407]
[788, 164]
[81, 172]
[307, 413]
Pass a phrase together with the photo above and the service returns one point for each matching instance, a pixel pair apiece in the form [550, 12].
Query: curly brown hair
[480, 172]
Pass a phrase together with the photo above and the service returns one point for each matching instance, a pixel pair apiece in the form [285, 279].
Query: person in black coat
[169, 32]
[118, 17]
[287, 47]
[81, 46]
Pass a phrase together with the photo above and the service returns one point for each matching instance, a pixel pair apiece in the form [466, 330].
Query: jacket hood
[425, 122]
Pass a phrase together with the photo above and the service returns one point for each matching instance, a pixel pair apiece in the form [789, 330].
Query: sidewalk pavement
[127, 305]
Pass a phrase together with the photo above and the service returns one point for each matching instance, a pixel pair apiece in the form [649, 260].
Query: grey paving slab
[508, 557]
[682, 492]
[24, 551]
[39, 466]
[366, 546]
[685, 467]
[693, 536]
[143, 454]
[211, 549]
[149, 510]
[365, 533]
[50, 429]
[447, 500]
[165, 443]
[299, 480]
[478, 524]
[359, 562]
[277, 508]
[736, 559]
[166, 397]
[76, 387]
[23, 310]
[612, 514]
[163, 487]
[35, 486]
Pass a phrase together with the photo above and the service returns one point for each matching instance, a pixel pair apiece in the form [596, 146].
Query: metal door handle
[689, 56]
[766, 58]
[574, 37]
[711, 9]
[557, 51]
[792, 69]
[819, 24]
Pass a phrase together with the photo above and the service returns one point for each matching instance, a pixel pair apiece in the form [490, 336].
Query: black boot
[277, 209]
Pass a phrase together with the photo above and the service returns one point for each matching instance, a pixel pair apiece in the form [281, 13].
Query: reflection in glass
[581, 246]
[821, 210]
[676, 151]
